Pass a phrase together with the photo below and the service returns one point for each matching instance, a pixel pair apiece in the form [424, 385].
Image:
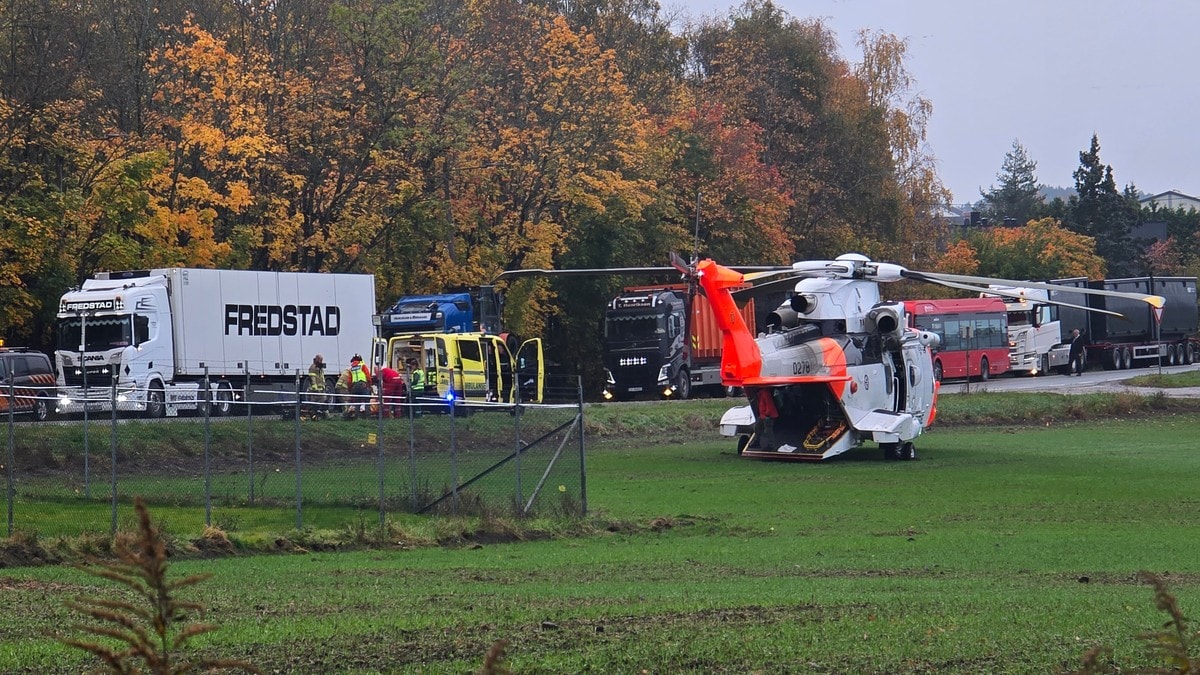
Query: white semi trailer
[160, 333]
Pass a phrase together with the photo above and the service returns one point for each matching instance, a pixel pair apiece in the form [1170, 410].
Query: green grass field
[1011, 548]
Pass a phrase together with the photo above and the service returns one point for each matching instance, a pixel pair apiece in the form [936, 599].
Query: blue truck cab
[461, 311]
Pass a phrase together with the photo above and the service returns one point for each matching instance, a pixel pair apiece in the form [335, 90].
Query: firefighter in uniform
[316, 388]
[360, 387]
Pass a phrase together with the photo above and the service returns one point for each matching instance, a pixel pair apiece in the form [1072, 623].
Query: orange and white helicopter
[837, 366]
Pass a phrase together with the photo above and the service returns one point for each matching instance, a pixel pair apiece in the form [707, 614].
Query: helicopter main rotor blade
[807, 269]
[595, 272]
[762, 287]
[1156, 301]
[1017, 295]
[680, 264]
[630, 271]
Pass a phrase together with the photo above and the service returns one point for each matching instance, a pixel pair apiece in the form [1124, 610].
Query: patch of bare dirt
[25, 554]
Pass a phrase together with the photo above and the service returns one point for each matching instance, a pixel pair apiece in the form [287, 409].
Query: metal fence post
[517, 440]
[379, 447]
[412, 446]
[582, 454]
[453, 448]
[10, 489]
[299, 485]
[249, 431]
[207, 450]
[87, 446]
[112, 401]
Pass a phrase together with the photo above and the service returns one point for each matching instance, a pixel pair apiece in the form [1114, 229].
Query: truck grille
[97, 376]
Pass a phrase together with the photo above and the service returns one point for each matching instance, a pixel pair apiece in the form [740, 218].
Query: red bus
[974, 335]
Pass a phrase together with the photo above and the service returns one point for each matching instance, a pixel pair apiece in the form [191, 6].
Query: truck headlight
[664, 374]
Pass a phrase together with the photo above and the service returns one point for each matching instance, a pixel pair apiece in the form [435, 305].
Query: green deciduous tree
[1041, 249]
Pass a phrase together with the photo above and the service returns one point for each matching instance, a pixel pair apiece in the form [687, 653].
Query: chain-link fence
[299, 462]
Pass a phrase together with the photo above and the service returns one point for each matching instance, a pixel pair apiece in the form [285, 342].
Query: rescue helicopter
[837, 366]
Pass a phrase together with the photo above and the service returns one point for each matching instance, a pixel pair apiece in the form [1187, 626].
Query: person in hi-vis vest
[360, 387]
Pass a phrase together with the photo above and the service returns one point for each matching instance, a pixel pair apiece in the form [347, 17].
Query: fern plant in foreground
[149, 635]
[1170, 645]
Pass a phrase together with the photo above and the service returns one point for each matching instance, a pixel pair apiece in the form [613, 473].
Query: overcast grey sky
[1048, 73]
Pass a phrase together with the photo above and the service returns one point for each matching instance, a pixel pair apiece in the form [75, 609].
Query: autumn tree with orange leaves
[434, 145]
[554, 146]
[1042, 249]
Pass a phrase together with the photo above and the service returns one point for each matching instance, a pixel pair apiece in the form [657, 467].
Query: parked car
[27, 374]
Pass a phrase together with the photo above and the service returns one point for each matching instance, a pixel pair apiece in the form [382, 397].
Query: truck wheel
[1126, 358]
[1189, 353]
[683, 385]
[1179, 355]
[222, 400]
[156, 406]
[1113, 362]
[41, 409]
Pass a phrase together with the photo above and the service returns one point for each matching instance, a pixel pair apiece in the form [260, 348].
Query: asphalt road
[1090, 382]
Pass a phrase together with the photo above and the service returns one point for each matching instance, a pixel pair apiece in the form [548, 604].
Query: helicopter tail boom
[740, 357]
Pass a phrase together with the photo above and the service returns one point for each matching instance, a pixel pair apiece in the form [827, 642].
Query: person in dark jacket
[1077, 354]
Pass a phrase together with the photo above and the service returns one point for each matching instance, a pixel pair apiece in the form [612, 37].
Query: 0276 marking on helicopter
[802, 368]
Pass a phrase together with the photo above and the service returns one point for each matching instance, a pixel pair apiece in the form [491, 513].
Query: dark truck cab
[643, 344]
[664, 341]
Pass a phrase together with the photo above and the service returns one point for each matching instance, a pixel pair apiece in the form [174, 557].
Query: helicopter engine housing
[887, 319]
[782, 318]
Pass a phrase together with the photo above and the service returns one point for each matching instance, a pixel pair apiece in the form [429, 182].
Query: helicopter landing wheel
[891, 451]
[742, 442]
[908, 451]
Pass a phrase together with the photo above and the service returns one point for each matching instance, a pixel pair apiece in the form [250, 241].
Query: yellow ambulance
[473, 367]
